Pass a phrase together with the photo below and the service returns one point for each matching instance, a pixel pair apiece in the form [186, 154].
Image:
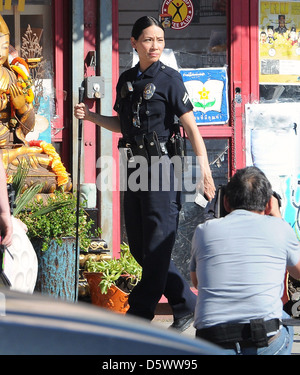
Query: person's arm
[273, 209]
[190, 126]
[194, 279]
[111, 123]
[294, 271]
[5, 215]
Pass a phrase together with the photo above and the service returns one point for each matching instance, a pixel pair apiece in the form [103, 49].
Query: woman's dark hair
[142, 24]
[249, 189]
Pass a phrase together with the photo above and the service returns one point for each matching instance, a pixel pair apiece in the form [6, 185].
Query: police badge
[149, 91]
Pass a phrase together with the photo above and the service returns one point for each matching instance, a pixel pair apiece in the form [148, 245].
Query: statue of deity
[17, 119]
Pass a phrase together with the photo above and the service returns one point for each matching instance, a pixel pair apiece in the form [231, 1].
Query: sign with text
[208, 92]
[181, 13]
[279, 42]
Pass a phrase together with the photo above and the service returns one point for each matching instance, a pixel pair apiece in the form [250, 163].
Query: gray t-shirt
[240, 261]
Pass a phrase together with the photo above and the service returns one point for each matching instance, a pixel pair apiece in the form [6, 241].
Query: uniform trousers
[151, 220]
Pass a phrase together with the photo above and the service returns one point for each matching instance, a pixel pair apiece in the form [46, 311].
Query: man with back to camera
[238, 265]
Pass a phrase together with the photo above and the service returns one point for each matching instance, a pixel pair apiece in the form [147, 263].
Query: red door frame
[243, 59]
[115, 75]
[59, 33]
[61, 27]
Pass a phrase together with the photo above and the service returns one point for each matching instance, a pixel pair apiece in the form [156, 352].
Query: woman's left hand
[209, 186]
[206, 186]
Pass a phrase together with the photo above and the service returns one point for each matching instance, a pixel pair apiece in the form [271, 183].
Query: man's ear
[269, 207]
[226, 204]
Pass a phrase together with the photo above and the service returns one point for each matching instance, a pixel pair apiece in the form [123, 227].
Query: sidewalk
[164, 318]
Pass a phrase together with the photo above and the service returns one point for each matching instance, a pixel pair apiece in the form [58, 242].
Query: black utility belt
[148, 146]
[257, 333]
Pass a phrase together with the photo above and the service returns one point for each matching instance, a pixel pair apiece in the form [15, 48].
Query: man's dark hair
[142, 24]
[249, 189]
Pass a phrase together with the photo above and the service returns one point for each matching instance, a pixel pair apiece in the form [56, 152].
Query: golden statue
[17, 119]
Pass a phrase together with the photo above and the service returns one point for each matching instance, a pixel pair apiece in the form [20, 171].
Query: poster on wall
[208, 92]
[177, 14]
[279, 42]
[273, 145]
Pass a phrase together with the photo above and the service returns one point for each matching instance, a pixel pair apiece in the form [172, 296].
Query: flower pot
[56, 269]
[115, 299]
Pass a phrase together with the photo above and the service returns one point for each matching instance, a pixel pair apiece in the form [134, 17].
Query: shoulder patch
[169, 71]
[186, 98]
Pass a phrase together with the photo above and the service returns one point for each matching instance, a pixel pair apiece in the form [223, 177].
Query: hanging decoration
[56, 163]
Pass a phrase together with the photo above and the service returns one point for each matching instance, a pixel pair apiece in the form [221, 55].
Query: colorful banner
[208, 91]
[279, 42]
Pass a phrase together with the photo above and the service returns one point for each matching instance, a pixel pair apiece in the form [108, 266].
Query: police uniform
[146, 103]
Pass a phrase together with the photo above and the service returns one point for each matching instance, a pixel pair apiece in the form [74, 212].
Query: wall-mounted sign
[208, 91]
[279, 42]
[180, 11]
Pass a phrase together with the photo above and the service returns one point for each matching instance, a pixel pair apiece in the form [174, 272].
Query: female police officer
[148, 97]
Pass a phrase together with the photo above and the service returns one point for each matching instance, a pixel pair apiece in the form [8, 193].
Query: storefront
[241, 57]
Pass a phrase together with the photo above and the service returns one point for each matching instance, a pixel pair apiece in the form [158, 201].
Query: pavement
[163, 317]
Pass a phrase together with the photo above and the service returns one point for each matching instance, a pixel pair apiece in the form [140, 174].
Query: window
[31, 36]
[279, 51]
[204, 43]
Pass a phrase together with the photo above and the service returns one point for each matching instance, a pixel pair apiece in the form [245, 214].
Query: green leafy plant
[50, 219]
[23, 196]
[56, 218]
[123, 270]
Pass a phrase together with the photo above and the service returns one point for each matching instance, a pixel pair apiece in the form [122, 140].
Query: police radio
[176, 144]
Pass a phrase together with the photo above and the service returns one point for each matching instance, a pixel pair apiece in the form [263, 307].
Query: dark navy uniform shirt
[156, 113]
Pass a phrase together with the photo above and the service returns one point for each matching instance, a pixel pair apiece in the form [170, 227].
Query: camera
[219, 210]
[278, 197]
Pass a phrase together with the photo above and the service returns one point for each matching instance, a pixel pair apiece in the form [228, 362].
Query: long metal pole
[77, 247]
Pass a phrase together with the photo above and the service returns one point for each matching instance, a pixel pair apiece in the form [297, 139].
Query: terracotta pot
[115, 299]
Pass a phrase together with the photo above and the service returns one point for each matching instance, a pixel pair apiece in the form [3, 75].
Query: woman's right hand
[81, 111]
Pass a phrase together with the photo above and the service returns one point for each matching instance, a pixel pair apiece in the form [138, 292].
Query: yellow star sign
[204, 94]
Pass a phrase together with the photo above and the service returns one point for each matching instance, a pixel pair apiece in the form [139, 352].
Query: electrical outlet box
[94, 87]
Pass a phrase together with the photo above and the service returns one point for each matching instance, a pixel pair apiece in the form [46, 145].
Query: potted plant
[51, 227]
[55, 219]
[112, 280]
